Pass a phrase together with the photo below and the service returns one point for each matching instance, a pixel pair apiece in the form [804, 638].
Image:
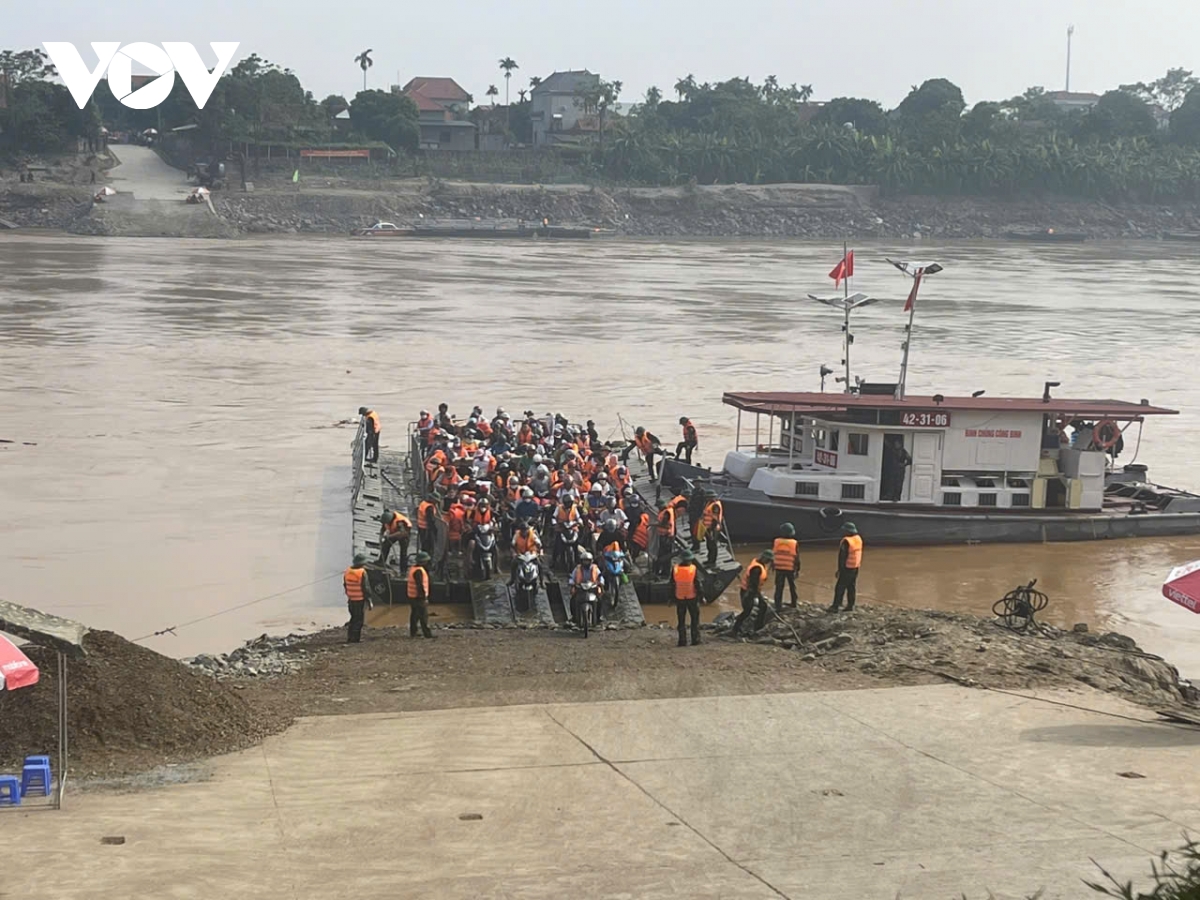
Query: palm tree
[365, 62]
[521, 94]
[535, 80]
[806, 92]
[493, 92]
[507, 64]
[685, 87]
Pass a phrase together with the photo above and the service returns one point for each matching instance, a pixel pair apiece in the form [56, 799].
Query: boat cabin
[1005, 453]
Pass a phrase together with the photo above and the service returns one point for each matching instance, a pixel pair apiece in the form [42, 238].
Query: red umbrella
[16, 669]
[1183, 586]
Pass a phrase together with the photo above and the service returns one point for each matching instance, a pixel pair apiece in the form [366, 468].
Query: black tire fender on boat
[830, 518]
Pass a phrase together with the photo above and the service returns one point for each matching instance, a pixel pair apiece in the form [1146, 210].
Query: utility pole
[1070, 34]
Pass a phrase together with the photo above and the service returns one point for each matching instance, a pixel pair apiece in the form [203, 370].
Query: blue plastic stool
[37, 760]
[10, 790]
[35, 777]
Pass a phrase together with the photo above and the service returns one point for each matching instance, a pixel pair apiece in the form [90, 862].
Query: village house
[442, 107]
[557, 106]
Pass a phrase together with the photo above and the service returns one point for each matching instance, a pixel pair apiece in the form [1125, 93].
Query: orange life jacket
[786, 552]
[352, 582]
[684, 576]
[855, 544]
[689, 432]
[713, 513]
[666, 522]
[424, 423]
[456, 520]
[582, 577]
[485, 427]
[425, 513]
[479, 517]
[571, 515]
[431, 435]
[373, 418]
[514, 495]
[644, 444]
[527, 543]
[418, 576]
[641, 531]
[436, 458]
[761, 567]
[398, 521]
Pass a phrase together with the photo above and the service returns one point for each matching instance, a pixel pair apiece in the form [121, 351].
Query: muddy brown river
[169, 403]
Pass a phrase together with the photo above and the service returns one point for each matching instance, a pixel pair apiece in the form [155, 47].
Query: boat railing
[416, 463]
[359, 448]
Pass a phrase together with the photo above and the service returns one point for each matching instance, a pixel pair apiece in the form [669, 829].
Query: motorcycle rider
[525, 540]
[566, 520]
[587, 572]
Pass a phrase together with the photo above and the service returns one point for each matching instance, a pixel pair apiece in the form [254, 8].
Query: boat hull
[753, 517]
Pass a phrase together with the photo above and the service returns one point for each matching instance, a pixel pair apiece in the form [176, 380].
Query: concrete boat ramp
[926, 792]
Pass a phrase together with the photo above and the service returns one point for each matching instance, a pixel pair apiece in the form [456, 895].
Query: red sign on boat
[825, 458]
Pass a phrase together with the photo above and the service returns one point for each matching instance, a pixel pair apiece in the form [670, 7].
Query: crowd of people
[533, 484]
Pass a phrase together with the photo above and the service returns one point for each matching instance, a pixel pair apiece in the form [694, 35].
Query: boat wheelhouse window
[818, 436]
[857, 444]
[854, 491]
[949, 481]
[1018, 483]
[1020, 499]
[952, 498]
[833, 439]
[987, 499]
[807, 489]
[985, 482]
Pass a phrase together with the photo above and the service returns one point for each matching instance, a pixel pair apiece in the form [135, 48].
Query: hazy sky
[872, 48]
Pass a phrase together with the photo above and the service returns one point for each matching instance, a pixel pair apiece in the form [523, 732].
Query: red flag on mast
[912, 295]
[844, 269]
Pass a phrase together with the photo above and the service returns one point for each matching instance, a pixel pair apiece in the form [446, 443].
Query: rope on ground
[174, 628]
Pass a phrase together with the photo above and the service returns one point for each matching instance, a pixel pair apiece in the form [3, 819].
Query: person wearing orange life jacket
[666, 540]
[480, 515]
[354, 583]
[426, 513]
[649, 446]
[753, 579]
[685, 591]
[787, 563]
[395, 528]
[711, 524]
[418, 596]
[424, 423]
[587, 572]
[849, 562]
[370, 422]
[435, 461]
[456, 526]
[639, 529]
[690, 441]
[567, 525]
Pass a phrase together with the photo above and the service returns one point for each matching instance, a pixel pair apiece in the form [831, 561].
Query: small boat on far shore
[1192, 236]
[1049, 236]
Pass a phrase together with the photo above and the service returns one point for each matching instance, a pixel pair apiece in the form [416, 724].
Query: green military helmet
[850, 528]
[788, 530]
[423, 558]
[688, 556]
[359, 560]
[767, 556]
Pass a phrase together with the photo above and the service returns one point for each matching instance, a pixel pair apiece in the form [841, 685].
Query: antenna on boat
[842, 273]
[916, 271]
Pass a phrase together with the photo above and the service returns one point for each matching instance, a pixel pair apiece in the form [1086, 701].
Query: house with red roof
[442, 107]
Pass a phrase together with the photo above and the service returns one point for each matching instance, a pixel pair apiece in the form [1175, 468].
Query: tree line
[733, 131]
[257, 102]
[738, 131]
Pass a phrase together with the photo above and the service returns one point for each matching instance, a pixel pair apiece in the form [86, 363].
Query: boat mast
[917, 272]
[908, 331]
[849, 338]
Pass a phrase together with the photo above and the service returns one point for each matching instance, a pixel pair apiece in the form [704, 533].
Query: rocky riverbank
[816, 212]
[813, 212]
